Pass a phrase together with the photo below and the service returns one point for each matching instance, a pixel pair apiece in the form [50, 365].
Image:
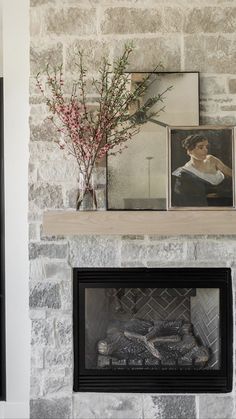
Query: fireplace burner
[139, 342]
[174, 326]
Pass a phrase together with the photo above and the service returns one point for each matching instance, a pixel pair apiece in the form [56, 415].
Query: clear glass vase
[86, 198]
[91, 195]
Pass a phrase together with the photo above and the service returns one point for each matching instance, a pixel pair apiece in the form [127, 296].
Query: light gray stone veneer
[51, 250]
[45, 295]
[95, 251]
[215, 407]
[44, 195]
[51, 409]
[42, 332]
[74, 21]
[174, 407]
[183, 35]
[136, 20]
[103, 405]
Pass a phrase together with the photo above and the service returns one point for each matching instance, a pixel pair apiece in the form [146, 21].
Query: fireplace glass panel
[152, 328]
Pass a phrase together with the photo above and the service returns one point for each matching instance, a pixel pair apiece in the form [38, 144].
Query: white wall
[1, 63]
[16, 133]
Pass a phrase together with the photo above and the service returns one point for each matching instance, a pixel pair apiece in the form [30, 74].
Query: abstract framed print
[201, 168]
[136, 178]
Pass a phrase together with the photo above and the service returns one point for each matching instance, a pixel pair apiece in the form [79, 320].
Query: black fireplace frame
[153, 381]
[2, 256]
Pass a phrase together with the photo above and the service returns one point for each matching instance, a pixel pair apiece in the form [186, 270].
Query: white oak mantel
[139, 222]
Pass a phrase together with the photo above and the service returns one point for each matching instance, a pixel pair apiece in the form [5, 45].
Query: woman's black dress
[188, 190]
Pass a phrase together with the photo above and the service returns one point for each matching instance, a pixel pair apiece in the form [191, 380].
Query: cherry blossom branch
[90, 134]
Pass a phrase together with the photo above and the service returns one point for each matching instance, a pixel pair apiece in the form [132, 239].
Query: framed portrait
[136, 178]
[201, 168]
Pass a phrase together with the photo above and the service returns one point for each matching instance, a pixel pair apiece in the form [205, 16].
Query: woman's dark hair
[190, 142]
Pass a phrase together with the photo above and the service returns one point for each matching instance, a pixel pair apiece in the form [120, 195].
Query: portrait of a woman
[205, 179]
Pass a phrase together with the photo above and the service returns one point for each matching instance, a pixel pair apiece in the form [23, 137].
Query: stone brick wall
[197, 35]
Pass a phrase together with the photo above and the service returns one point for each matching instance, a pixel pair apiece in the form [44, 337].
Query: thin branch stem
[90, 134]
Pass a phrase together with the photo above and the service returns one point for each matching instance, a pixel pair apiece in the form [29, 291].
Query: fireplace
[152, 330]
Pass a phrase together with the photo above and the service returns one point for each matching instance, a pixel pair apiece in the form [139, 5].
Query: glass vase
[91, 194]
[86, 198]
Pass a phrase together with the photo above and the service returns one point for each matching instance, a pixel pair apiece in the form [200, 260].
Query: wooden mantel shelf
[139, 222]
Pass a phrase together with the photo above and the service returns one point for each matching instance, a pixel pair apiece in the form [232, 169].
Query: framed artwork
[201, 168]
[136, 178]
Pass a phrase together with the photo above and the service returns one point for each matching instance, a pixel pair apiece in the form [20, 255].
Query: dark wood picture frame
[191, 184]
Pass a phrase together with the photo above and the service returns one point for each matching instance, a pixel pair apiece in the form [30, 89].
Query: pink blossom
[87, 132]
